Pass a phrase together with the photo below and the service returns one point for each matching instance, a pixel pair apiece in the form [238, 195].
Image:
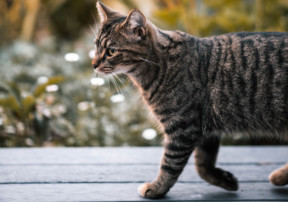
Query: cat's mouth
[117, 69]
[105, 70]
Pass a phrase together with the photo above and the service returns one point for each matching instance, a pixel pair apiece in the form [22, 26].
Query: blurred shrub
[69, 18]
[210, 17]
[36, 35]
[47, 100]
[26, 115]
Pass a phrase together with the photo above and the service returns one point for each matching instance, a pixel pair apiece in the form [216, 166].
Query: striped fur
[198, 88]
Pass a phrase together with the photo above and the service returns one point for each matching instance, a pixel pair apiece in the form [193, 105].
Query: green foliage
[40, 89]
[209, 17]
[22, 106]
[69, 17]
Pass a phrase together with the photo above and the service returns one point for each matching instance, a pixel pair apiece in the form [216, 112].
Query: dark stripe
[174, 80]
[187, 110]
[253, 91]
[243, 58]
[161, 80]
[181, 33]
[262, 34]
[161, 46]
[233, 66]
[166, 36]
[225, 54]
[182, 109]
[105, 32]
[132, 70]
[242, 85]
[172, 42]
[178, 163]
[177, 125]
[130, 62]
[171, 170]
[198, 61]
[270, 78]
[130, 51]
[208, 55]
[186, 154]
[107, 28]
[201, 63]
[279, 53]
[153, 79]
[172, 146]
[216, 67]
[257, 59]
[189, 138]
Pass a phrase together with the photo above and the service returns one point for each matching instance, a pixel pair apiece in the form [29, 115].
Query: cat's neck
[150, 64]
[155, 63]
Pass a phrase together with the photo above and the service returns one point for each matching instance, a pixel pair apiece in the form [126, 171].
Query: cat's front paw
[149, 190]
[279, 177]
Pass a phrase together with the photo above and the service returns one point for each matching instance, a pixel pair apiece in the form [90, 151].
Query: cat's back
[250, 36]
[245, 42]
[248, 80]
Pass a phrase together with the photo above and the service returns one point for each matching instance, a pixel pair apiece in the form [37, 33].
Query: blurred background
[49, 95]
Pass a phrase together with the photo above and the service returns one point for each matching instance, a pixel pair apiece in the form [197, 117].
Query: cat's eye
[110, 52]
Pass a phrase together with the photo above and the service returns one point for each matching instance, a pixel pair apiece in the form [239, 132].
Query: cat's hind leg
[279, 177]
[205, 160]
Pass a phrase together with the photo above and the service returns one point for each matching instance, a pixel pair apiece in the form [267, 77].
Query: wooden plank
[118, 173]
[128, 192]
[131, 155]
[89, 174]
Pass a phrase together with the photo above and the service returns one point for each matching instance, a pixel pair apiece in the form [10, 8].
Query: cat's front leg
[177, 150]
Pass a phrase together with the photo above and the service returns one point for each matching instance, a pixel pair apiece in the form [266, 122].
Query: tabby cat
[199, 88]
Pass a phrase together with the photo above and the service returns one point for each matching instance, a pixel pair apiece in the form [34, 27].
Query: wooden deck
[114, 174]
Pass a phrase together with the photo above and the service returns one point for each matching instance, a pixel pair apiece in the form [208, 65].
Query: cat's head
[122, 41]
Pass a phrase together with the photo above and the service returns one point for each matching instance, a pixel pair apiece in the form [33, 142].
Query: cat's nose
[95, 65]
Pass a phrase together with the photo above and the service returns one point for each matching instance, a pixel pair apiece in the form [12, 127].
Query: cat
[198, 88]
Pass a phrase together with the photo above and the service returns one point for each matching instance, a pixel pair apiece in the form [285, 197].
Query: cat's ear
[135, 23]
[104, 12]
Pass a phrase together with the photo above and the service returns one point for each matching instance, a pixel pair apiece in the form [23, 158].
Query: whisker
[119, 87]
[93, 30]
[93, 75]
[108, 79]
[115, 85]
[121, 82]
[148, 61]
[95, 21]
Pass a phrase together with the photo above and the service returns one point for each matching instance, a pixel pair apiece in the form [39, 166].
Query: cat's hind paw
[149, 190]
[219, 177]
[229, 182]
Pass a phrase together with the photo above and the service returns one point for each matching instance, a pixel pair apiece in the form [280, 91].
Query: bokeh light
[117, 98]
[71, 57]
[149, 134]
